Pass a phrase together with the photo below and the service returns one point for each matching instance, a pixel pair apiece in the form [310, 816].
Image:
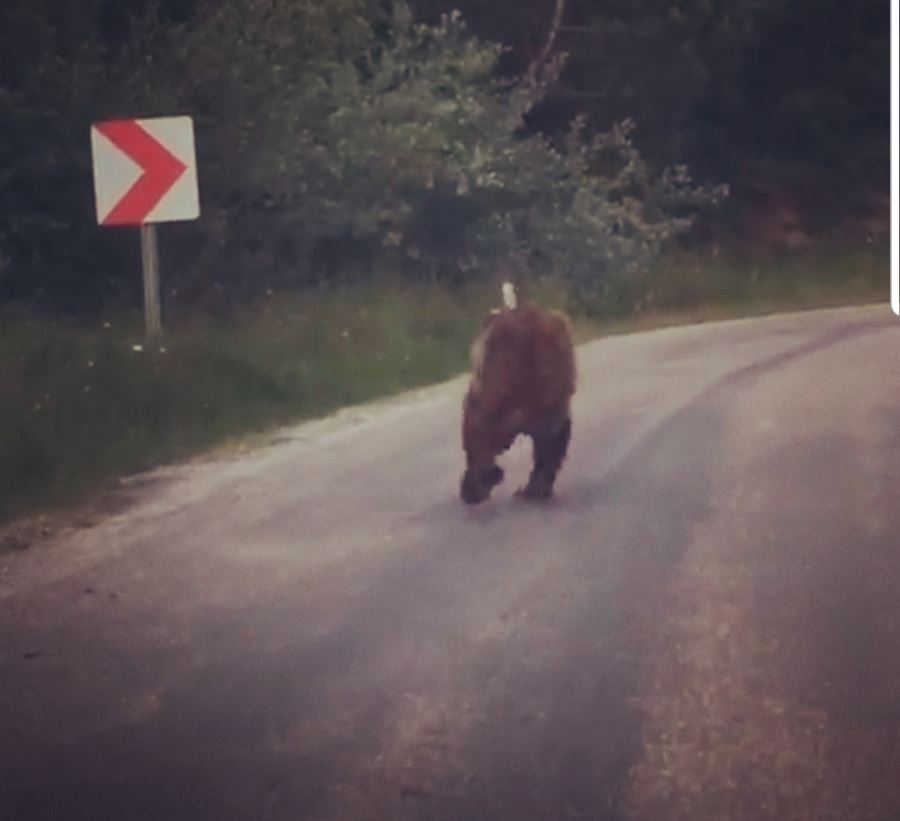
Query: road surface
[704, 624]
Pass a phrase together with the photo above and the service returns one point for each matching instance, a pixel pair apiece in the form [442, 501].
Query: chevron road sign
[145, 172]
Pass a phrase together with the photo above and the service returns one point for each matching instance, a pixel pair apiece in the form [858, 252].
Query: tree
[323, 128]
[734, 88]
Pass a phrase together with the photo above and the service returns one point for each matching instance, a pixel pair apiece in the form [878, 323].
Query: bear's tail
[509, 296]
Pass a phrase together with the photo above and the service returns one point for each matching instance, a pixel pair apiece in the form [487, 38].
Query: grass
[84, 405]
[731, 285]
[81, 406]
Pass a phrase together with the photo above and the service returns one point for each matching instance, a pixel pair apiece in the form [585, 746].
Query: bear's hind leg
[550, 448]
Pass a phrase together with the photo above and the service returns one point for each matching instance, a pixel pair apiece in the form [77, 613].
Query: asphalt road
[704, 624]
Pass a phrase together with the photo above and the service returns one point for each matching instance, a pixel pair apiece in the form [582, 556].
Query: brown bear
[523, 379]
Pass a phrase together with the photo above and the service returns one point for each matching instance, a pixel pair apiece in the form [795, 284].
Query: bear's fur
[523, 380]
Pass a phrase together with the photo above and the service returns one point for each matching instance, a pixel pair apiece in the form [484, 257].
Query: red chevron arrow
[161, 170]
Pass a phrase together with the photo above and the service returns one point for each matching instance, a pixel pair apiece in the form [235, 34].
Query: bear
[522, 382]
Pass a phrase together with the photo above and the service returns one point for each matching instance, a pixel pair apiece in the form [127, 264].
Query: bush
[334, 144]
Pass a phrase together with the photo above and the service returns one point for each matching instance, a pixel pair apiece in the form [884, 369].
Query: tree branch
[538, 63]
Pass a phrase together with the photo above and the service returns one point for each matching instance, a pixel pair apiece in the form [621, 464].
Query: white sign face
[145, 171]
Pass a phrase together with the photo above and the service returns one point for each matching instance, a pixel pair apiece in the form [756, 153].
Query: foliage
[819, 101]
[735, 88]
[335, 139]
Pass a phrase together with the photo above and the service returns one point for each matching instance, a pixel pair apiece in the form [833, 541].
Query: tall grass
[819, 277]
[81, 405]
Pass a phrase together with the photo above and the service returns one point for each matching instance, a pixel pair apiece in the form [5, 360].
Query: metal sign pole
[150, 264]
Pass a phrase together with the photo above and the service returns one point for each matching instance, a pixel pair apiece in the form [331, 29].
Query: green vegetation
[820, 277]
[81, 406]
[333, 144]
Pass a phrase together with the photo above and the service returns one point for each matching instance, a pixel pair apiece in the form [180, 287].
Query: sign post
[145, 172]
[150, 266]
